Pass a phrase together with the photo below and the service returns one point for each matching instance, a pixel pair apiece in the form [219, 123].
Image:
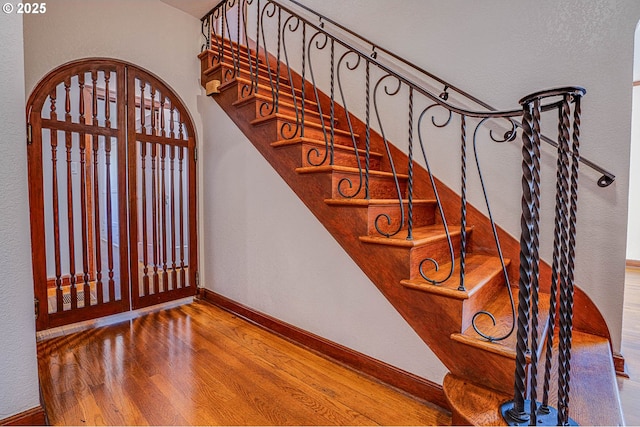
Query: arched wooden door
[112, 192]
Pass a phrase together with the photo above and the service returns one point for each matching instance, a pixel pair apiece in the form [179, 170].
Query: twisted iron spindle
[566, 292]
[559, 240]
[463, 195]
[333, 107]
[277, 93]
[517, 412]
[238, 37]
[303, 84]
[257, 75]
[535, 262]
[410, 170]
[367, 103]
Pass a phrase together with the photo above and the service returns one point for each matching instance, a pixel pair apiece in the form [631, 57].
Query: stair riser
[313, 155]
[478, 301]
[496, 371]
[263, 75]
[437, 250]
[263, 109]
[422, 215]
[278, 129]
[351, 185]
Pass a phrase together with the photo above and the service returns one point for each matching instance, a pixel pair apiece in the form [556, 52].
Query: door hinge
[36, 307]
[29, 134]
[197, 279]
[195, 154]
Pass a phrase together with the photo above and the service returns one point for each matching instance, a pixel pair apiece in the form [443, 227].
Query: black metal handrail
[605, 180]
[274, 52]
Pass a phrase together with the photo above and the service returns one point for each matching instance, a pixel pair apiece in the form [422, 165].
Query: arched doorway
[112, 191]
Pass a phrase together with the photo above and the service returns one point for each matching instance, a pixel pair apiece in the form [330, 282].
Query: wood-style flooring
[630, 388]
[197, 364]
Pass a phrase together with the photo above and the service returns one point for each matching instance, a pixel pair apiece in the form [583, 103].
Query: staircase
[402, 226]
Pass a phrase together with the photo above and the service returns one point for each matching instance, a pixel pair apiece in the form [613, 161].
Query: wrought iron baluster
[277, 95]
[319, 45]
[303, 83]
[535, 263]
[517, 413]
[396, 180]
[292, 23]
[269, 12]
[332, 90]
[567, 289]
[367, 141]
[463, 197]
[410, 170]
[266, 54]
[438, 201]
[238, 41]
[350, 67]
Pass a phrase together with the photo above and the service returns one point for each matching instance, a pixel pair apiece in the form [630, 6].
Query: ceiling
[197, 8]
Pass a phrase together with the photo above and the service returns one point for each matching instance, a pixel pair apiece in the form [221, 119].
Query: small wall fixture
[212, 87]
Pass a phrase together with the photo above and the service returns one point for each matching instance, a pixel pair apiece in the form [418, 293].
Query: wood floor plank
[327, 377]
[197, 364]
[629, 388]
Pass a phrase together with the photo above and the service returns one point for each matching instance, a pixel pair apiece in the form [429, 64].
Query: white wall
[265, 250]
[633, 231]
[18, 365]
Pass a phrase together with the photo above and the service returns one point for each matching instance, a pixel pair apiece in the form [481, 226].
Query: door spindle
[70, 216]
[56, 207]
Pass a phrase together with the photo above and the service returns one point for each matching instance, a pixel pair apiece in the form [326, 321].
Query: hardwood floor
[630, 388]
[197, 364]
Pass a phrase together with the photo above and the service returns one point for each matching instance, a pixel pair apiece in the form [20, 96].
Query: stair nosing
[345, 169]
[376, 202]
[315, 141]
[452, 291]
[281, 116]
[390, 241]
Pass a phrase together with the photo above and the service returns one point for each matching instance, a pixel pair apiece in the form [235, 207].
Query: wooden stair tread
[288, 91]
[421, 236]
[280, 116]
[479, 270]
[594, 397]
[314, 141]
[262, 96]
[308, 111]
[376, 202]
[345, 169]
[593, 400]
[228, 63]
[500, 307]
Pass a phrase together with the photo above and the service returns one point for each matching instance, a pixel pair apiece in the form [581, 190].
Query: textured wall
[633, 233]
[18, 367]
